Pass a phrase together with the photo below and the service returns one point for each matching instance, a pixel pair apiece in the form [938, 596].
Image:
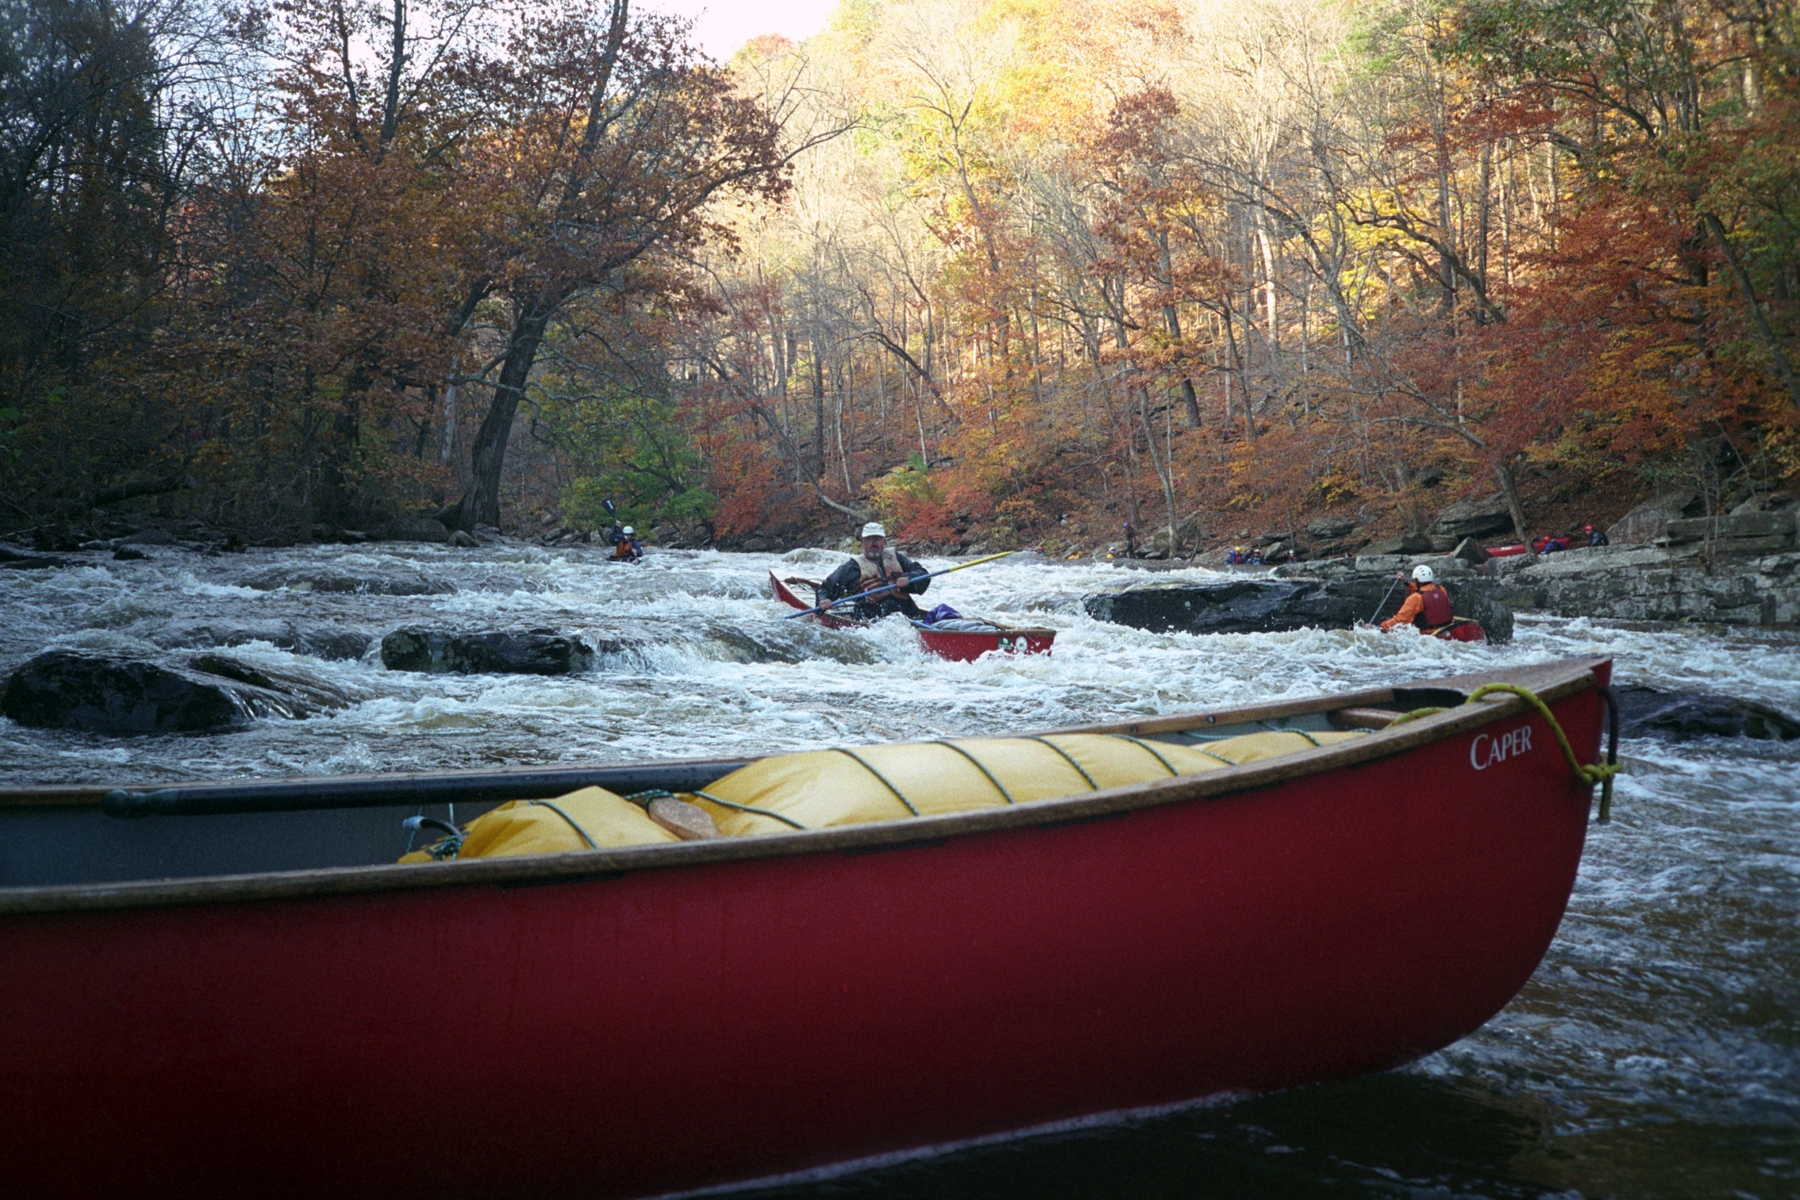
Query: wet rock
[318, 641]
[66, 690]
[1649, 712]
[329, 580]
[150, 537]
[269, 693]
[1270, 605]
[536, 652]
[415, 529]
[10, 558]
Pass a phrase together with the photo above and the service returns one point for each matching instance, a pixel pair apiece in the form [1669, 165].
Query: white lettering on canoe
[1490, 748]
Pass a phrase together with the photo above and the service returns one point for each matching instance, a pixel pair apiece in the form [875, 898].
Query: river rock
[1471, 519]
[1646, 522]
[334, 580]
[536, 652]
[1649, 712]
[317, 641]
[1270, 605]
[66, 690]
[1649, 583]
[271, 693]
[30, 562]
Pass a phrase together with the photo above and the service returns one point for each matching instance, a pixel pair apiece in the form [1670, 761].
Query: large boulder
[536, 652]
[1646, 522]
[63, 689]
[1488, 518]
[1743, 533]
[1270, 605]
[1649, 712]
[211, 693]
[1646, 583]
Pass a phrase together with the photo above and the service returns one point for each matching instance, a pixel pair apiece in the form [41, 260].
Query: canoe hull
[957, 645]
[622, 1032]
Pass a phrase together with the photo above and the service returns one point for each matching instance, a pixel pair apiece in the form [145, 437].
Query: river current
[1655, 1053]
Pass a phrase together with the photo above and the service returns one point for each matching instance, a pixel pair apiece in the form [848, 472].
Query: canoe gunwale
[1551, 682]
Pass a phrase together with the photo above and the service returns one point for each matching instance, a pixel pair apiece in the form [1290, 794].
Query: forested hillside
[997, 271]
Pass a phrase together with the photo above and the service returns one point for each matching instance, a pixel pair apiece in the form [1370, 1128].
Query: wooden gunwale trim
[586, 865]
[407, 785]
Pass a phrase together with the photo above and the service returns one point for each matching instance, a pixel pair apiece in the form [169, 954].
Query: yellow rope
[1588, 773]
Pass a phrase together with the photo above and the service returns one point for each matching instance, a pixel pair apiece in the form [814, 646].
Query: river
[1655, 1053]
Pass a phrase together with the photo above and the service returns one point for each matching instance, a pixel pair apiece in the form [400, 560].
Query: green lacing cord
[1093, 785]
[572, 822]
[643, 799]
[1588, 773]
[898, 794]
[979, 766]
[1153, 752]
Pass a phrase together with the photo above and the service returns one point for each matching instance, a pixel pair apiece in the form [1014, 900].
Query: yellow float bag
[820, 788]
[556, 826]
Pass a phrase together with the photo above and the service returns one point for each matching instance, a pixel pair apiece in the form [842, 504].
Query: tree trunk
[480, 504]
[1509, 488]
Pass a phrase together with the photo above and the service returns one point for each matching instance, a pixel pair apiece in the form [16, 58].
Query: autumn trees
[1270, 256]
[387, 210]
[1003, 269]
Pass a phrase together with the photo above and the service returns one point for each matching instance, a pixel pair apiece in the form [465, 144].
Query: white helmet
[629, 531]
[1423, 574]
[873, 529]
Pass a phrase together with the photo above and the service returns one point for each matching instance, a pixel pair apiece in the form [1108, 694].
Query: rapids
[1655, 1053]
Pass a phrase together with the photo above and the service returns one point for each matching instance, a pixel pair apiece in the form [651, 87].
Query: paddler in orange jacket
[1427, 604]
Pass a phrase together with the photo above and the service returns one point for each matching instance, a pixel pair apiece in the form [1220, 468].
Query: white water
[1657, 1044]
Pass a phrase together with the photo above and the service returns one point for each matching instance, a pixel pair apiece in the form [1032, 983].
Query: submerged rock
[536, 652]
[332, 580]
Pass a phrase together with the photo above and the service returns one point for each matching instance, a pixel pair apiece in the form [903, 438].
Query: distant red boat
[222, 983]
[959, 645]
[1507, 550]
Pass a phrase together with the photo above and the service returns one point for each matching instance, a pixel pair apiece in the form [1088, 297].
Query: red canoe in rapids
[222, 987]
[956, 644]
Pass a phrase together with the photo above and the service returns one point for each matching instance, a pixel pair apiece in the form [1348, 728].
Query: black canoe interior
[73, 835]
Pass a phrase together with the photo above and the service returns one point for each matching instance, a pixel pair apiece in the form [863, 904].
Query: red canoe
[959, 645]
[254, 994]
